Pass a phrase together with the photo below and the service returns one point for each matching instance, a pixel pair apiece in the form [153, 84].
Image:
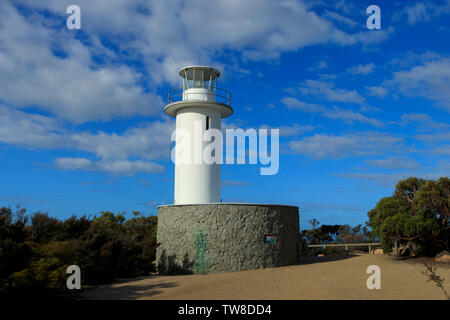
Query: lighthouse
[198, 105]
[199, 233]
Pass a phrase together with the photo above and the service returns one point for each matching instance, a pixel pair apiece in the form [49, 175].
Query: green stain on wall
[201, 261]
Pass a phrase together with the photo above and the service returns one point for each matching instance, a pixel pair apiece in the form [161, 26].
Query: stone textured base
[211, 238]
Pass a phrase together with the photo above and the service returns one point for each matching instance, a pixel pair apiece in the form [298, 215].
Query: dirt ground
[341, 277]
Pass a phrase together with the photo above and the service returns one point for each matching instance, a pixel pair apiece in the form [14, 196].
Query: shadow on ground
[130, 291]
[314, 259]
[420, 261]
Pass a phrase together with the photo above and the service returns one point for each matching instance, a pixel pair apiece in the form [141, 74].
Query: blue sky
[82, 127]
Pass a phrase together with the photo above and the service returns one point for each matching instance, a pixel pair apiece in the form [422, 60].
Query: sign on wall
[269, 238]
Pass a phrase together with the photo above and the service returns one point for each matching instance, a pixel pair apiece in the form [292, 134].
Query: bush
[34, 257]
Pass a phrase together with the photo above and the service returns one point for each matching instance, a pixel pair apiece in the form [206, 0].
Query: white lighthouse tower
[199, 233]
[198, 106]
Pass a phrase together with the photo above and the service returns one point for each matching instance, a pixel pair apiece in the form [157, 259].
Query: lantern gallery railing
[215, 94]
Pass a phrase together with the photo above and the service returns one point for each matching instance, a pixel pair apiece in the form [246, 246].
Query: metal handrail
[344, 245]
[176, 95]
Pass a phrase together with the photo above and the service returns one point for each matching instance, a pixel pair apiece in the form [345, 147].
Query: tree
[44, 228]
[314, 222]
[416, 216]
[15, 250]
[34, 256]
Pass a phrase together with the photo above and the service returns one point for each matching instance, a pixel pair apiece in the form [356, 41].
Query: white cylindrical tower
[198, 106]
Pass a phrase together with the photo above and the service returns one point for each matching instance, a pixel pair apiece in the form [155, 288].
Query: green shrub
[34, 257]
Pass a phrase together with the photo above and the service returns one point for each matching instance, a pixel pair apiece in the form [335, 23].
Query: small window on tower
[207, 123]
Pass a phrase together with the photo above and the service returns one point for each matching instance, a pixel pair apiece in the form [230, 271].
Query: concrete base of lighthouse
[222, 237]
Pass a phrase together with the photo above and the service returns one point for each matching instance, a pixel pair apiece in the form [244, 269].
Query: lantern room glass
[195, 78]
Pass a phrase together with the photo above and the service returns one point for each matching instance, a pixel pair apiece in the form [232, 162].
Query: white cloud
[393, 163]
[441, 169]
[291, 130]
[424, 11]
[169, 34]
[319, 65]
[350, 116]
[293, 103]
[87, 81]
[416, 13]
[363, 69]
[410, 59]
[391, 179]
[384, 179]
[29, 130]
[150, 141]
[45, 66]
[71, 86]
[424, 121]
[443, 151]
[377, 91]
[415, 117]
[430, 80]
[327, 76]
[327, 91]
[125, 167]
[334, 16]
[322, 146]
[233, 183]
[434, 138]
[295, 129]
[334, 113]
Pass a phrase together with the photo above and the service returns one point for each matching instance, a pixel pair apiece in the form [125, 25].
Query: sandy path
[317, 278]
